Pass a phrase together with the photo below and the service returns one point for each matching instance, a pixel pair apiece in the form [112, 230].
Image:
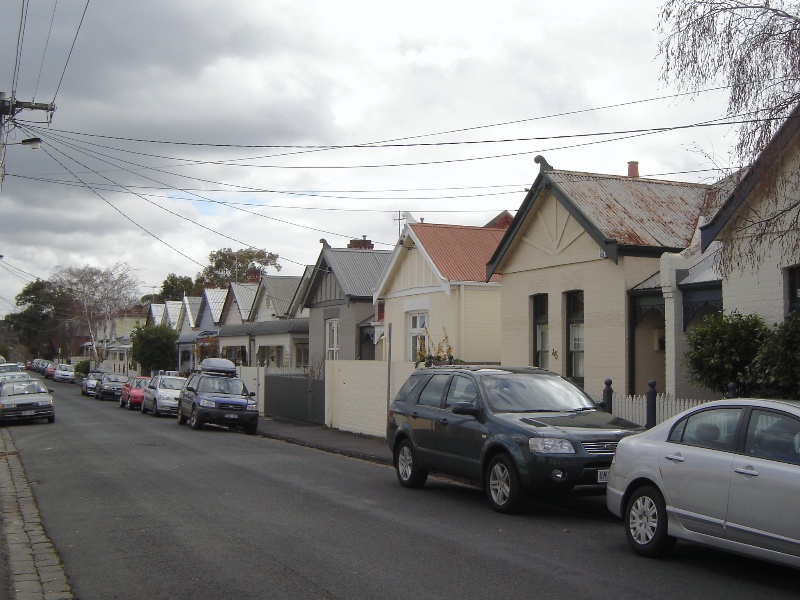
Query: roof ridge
[627, 178]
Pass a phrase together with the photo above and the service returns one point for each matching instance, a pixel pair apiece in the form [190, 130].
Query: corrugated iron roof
[281, 290]
[458, 252]
[192, 307]
[357, 271]
[215, 297]
[157, 311]
[636, 211]
[245, 295]
[172, 312]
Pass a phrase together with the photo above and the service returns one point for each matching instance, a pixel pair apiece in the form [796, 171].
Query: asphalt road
[140, 507]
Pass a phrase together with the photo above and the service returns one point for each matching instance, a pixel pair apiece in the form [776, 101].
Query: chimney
[208, 285]
[253, 275]
[362, 244]
[633, 168]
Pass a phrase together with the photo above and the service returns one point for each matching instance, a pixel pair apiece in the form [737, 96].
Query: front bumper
[24, 413]
[226, 416]
[562, 473]
[109, 394]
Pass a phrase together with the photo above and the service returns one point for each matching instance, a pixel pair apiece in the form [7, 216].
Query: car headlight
[551, 446]
[208, 403]
[252, 407]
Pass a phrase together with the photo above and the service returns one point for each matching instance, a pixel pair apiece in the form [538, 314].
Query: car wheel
[181, 416]
[155, 408]
[250, 428]
[121, 402]
[405, 464]
[646, 527]
[194, 419]
[131, 405]
[51, 419]
[502, 485]
[144, 408]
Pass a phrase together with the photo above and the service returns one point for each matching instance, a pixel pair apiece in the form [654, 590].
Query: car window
[715, 429]
[117, 378]
[525, 392]
[409, 386]
[17, 388]
[171, 383]
[139, 383]
[431, 394]
[773, 435]
[462, 389]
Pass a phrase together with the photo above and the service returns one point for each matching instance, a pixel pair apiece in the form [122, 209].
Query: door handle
[746, 471]
[443, 421]
[675, 458]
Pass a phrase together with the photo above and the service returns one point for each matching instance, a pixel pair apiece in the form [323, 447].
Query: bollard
[608, 393]
[651, 404]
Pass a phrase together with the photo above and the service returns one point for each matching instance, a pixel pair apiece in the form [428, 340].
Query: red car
[132, 392]
[49, 370]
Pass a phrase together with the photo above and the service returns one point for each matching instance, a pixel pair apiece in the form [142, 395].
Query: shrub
[722, 348]
[82, 367]
[775, 371]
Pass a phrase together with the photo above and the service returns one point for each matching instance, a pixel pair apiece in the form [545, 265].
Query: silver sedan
[725, 474]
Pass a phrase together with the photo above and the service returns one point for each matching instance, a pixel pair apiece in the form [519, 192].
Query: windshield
[222, 385]
[9, 368]
[139, 384]
[518, 392]
[16, 388]
[117, 378]
[172, 383]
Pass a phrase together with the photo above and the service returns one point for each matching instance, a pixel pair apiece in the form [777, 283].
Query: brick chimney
[208, 285]
[253, 275]
[633, 168]
[362, 244]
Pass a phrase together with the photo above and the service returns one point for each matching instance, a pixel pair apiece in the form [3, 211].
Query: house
[187, 333]
[433, 289]
[765, 278]
[209, 315]
[339, 298]
[578, 243]
[258, 327]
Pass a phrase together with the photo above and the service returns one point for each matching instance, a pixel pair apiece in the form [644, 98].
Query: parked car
[215, 394]
[23, 399]
[8, 367]
[109, 386]
[513, 431]
[161, 394]
[64, 372]
[49, 370]
[131, 396]
[89, 382]
[725, 474]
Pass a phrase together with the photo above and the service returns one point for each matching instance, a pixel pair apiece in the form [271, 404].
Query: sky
[185, 127]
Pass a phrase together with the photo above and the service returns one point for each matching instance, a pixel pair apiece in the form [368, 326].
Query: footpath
[34, 570]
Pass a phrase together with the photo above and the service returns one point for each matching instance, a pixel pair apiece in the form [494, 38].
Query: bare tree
[752, 47]
[100, 293]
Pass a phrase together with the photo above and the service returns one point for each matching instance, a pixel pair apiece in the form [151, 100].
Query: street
[139, 507]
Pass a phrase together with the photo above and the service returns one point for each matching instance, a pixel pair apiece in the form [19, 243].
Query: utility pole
[10, 108]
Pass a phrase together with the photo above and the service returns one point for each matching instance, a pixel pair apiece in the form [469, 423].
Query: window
[575, 337]
[432, 394]
[462, 389]
[794, 289]
[715, 429]
[332, 339]
[541, 345]
[774, 436]
[417, 328]
[301, 355]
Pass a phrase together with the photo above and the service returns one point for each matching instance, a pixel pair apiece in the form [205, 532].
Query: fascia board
[388, 271]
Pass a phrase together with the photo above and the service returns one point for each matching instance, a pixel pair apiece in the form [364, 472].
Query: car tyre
[646, 523]
[502, 486]
[143, 409]
[405, 464]
[51, 419]
[194, 420]
[250, 428]
[121, 402]
[131, 406]
[181, 416]
[155, 408]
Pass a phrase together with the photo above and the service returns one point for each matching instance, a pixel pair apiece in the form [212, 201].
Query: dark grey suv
[215, 394]
[513, 431]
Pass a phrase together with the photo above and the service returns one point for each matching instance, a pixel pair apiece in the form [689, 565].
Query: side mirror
[189, 388]
[465, 408]
[50, 390]
[252, 393]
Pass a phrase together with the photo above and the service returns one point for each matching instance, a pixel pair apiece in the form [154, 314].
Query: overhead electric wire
[46, 45]
[69, 54]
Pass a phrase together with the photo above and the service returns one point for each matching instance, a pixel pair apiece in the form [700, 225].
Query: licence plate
[28, 413]
[602, 475]
[118, 393]
[231, 416]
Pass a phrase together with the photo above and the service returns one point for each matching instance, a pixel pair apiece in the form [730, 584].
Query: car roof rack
[221, 366]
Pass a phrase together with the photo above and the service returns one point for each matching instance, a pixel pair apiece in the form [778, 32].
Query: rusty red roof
[458, 252]
[635, 211]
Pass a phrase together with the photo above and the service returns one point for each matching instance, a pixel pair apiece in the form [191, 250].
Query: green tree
[47, 319]
[227, 265]
[775, 372]
[175, 287]
[722, 348]
[155, 347]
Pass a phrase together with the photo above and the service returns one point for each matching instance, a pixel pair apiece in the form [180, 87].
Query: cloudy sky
[184, 127]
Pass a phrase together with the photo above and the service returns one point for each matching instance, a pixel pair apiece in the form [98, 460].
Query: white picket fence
[634, 408]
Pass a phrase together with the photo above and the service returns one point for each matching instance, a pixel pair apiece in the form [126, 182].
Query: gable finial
[543, 164]
[324, 243]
